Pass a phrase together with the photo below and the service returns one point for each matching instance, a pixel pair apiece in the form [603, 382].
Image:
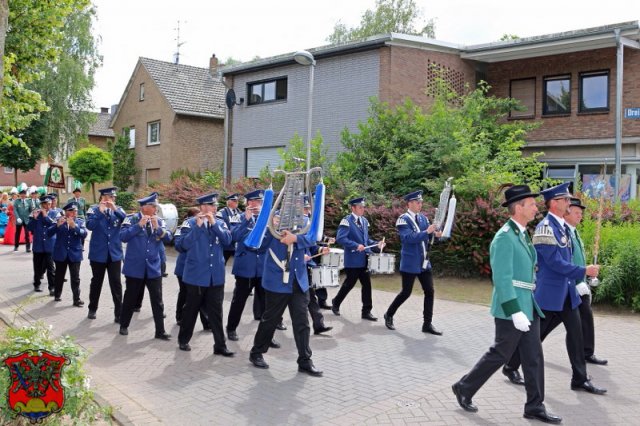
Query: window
[268, 91]
[153, 133]
[564, 173]
[557, 95]
[594, 91]
[8, 170]
[132, 136]
[257, 159]
[524, 90]
[141, 96]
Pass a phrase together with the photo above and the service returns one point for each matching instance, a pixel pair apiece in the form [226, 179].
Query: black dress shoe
[258, 361]
[335, 308]
[463, 401]
[116, 320]
[37, 289]
[588, 387]
[78, 303]
[323, 305]
[274, 344]
[593, 360]
[224, 352]
[57, 299]
[513, 376]
[51, 292]
[429, 328]
[136, 309]
[163, 336]
[543, 416]
[368, 316]
[232, 335]
[281, 326]
[388, 321]
[310, 370]
[28, 250]
[124, 331]
[185, 347]
[92, 315]
[322, 329]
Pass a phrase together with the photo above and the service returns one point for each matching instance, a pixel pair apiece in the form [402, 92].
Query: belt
[523, 284]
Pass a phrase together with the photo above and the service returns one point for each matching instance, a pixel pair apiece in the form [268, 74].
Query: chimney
[114, 109]
[104, 110]
[213, 66]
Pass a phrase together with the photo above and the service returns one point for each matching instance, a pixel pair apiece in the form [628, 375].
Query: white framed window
[8, 170]
[141, 95]
[132, 137]
[153, 133]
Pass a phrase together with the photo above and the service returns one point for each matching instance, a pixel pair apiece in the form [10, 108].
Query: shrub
[126, 200]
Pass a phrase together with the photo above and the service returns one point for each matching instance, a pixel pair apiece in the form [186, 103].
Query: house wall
[198, 143]
[342, 88]
[32, 177]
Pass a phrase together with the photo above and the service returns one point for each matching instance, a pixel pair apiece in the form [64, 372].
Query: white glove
[19, 221]
[520, 321]
[583, 289]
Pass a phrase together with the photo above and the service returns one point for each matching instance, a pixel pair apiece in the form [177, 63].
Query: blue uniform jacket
[272, 277]
[557, 275]
[204, 262]
[68, 245]
[182, 254]
[105, 235]
[350, 236]
[42, 243]
[226, 214]
[247, 262]
[415, 242]
[143, 249]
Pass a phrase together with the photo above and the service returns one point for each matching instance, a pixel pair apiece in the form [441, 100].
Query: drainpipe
[618, 146]
[226, 149]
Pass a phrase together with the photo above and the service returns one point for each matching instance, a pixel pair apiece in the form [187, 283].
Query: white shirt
[559, 219]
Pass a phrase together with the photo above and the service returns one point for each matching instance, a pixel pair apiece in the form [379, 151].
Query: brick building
[567, 81]
[175, 114]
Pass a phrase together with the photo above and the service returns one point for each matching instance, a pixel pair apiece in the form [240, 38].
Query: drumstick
[372, 245]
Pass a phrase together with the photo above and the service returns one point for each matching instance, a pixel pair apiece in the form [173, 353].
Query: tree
[124, 162]
[398, 16]
[18, 157]
[294, 156]
[509, 37]
[91, 165]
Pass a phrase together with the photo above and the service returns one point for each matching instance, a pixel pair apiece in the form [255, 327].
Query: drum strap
[282, 265]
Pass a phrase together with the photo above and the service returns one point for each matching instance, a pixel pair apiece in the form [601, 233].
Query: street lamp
[305, 58]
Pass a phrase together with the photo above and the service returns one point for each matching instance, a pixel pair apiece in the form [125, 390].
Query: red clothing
[10, 231]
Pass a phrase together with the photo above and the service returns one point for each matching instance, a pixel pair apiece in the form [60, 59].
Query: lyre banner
[55, 176]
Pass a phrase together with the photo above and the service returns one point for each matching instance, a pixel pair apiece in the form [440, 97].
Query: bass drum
[169, 213]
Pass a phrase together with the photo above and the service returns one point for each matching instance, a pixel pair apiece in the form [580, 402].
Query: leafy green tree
[91, 165]
[19, 157]
[389, 16]
[124, 162]
[509, 37]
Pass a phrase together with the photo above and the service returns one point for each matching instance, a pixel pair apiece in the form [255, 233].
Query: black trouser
[276, 303]
[182, 299]
[509, 341]
[43, 262]
[426, 281]
[575, 346]
[27, 238]
[588, 329]
[113, 269]
[74, 271]
[322, 295]
[227, 254]
[135, 286]
[353, 275]
[211, 297]
[314, 306]
[240, 294]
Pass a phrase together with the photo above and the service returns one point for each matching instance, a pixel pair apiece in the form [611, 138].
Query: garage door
[257, 159]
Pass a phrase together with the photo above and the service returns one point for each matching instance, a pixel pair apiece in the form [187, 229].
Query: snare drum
[382, 263]
[325, 276]
[335, 258]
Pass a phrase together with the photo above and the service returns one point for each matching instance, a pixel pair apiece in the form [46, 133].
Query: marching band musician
[227, 214]
[353, 235]
[285, 285]
[70, 232]
[38, 224]
[517, 315]
[203, 237]
[143, 232]
[415, 234]
[556, 291]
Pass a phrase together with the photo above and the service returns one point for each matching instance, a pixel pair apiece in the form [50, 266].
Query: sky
[244, 29]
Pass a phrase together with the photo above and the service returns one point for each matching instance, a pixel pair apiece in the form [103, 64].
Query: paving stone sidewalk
[371, 375]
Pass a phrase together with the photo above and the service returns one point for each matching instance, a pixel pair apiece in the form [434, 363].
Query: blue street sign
[632, 113]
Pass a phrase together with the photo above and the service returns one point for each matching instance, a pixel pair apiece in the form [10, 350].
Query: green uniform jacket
[578, 250]
[82, 206]
[21, 210]
[513, 258]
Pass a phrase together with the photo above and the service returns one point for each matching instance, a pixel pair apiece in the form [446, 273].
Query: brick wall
[32, 177]
[576, 125]
[199, 144]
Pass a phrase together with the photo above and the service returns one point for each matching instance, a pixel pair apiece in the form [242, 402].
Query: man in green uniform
[21, 212]
[81, 202]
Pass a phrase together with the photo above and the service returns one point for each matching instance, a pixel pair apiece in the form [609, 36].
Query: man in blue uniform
[415, 235]
[353, 235]
[555, 291]
[202, 238]
[70, 232]
[285, 285]
[105, 250]
[143, 232]
[38, 224]
[226, 215]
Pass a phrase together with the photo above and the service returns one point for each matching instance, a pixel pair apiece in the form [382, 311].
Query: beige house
[175, 116]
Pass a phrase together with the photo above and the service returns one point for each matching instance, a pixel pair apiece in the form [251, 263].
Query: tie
[148, 228]
[359, 223]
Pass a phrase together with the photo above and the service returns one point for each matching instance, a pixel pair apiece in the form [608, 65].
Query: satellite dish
[230, 99]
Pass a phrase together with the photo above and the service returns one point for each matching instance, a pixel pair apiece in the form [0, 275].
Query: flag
[54, 177]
